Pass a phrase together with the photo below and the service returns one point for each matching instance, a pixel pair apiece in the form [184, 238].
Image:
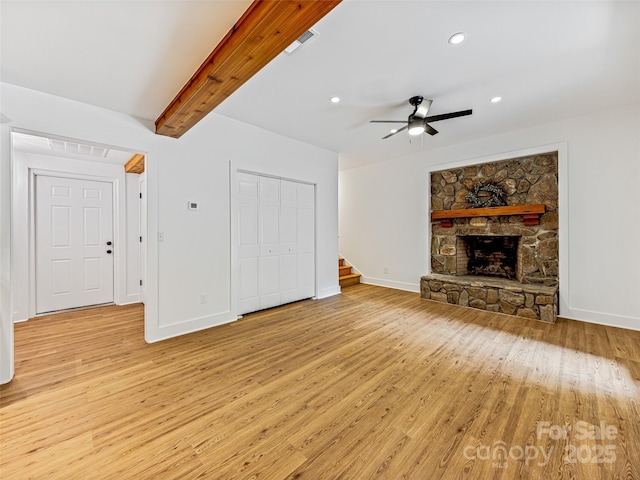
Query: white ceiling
[547, 59]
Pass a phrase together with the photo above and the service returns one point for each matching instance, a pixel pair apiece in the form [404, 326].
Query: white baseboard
[129, 299]
[167, 331]
[329, 292]
[619, 321]
[409, 287]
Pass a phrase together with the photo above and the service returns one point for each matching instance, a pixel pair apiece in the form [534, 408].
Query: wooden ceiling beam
[135, 164]
[263, 31]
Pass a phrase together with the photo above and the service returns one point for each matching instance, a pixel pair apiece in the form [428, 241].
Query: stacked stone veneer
[526, 181]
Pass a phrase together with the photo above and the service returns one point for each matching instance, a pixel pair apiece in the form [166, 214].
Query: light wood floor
[373, 383]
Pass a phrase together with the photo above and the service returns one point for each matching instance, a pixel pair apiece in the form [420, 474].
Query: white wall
[384, 215]
[195, 256]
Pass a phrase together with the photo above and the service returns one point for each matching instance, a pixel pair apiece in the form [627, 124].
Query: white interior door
[74, 243]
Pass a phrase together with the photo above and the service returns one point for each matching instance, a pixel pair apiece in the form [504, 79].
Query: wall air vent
[305, 37]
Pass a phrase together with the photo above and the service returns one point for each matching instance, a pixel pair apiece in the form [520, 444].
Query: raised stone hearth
[516, 270]
[498, 295]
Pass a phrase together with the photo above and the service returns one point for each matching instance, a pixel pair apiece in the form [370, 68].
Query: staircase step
[350, 279]
[345, 276]
[344, 270]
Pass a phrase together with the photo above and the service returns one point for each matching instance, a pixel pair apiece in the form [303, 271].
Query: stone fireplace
[502, 259]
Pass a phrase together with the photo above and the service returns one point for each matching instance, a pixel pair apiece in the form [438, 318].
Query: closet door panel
[269, 233]
[306, 241]
[269, 216]
[288, 241]
[289, 278]
[306, 275]
[248, 243]
[248, 272]
[269, 281]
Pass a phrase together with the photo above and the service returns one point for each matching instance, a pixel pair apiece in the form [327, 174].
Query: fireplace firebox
[488, 255]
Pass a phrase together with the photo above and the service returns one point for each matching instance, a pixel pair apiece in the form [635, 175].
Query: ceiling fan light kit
[416, 126]
[417, 123]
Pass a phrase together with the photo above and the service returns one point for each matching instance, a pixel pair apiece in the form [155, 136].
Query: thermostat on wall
[191, 205]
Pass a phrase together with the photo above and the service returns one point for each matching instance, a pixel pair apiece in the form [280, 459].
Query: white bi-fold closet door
[276, 241]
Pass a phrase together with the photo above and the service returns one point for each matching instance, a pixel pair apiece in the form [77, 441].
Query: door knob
[109, 243]
[109, 251]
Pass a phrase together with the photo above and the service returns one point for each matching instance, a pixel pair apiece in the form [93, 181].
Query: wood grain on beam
[263, 31]
[135, 164]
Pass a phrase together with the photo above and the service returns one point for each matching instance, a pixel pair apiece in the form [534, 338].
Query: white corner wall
[6, 324]
[195, 256]
[384, 217]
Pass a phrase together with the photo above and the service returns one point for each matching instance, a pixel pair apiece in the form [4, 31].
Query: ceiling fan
[417, 122]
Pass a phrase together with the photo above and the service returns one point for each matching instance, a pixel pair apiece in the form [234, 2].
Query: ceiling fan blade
[429, 129]
[423, 108]
[446, 116]
[387, 121]
[397, 131]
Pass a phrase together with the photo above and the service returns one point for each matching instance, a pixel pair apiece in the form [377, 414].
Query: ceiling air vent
[305, 37]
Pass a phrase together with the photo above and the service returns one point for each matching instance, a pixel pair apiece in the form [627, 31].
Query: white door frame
[23, 300]
[143, 208]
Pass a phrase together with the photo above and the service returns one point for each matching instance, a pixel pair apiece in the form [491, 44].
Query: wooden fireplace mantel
[531, 213]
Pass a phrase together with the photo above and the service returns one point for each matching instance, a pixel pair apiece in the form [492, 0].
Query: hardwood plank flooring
[371, 384]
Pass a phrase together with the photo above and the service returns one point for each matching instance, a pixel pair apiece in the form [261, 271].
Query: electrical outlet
[160, 236]
[203, 298]
[386, 270]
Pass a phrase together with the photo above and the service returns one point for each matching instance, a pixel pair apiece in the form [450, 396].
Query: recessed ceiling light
[334, 99]
[457, 38]
[496, 99]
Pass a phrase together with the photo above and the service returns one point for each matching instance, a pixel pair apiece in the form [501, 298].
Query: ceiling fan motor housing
[421, 106]
[415, 101]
